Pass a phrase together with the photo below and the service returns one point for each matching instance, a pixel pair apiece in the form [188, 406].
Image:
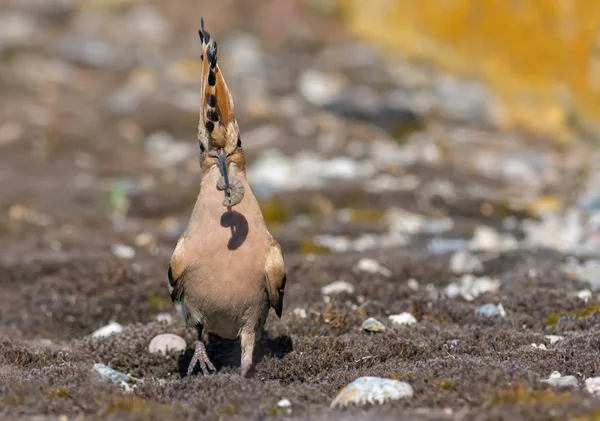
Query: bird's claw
[200, 356]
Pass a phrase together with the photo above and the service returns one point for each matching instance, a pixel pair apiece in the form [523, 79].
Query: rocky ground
[391, 188]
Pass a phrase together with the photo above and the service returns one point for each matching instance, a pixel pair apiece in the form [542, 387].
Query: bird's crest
[217, 127]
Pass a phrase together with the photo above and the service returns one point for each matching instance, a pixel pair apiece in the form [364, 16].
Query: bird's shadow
[227, 352]
[239, 228]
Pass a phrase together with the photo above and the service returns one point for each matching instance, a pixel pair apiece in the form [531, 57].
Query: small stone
[164, 317]
[464, 261]
[445, 245]
[470, 287]
[284, 403]
[166, 343]
[490, 310]
[337, 287]
[413, 284]
[300, 313]
[373, 325]
[107, 330]
[166, 151]
[123, 251]
[554, 338]
[373, 266]
[557, 380]
[110, 374]
[540, 347]
[592, 385]
[488, 239]
[320, 88]
[584, 294]
[403, 319]
[372, 390]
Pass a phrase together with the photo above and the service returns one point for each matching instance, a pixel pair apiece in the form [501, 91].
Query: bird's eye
[201, 146]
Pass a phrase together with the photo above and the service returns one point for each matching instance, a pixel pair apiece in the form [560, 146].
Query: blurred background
[420, 153]
[365, 124]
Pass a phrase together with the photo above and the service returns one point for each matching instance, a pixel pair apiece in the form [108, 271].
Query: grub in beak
[223, 166]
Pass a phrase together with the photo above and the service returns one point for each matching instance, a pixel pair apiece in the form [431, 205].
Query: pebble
[463, 261]
[166, 151]
[337, 287]
[373, 325]
[15, 28]
[320, 88]
[554, 338]
[284, 403]
[490, 310]
[584, 294]
[165, 343]
[110, 374]
[557, 380]
[403, 319]
[372, 390]
[590, 272]
[107, 330]
[373, 266]
[413, 284]
[470, 287]
[592, 385]
[300, 313]
[540, 347]
[164, 317]
[445, 245]
[488, 239]
[123, 251]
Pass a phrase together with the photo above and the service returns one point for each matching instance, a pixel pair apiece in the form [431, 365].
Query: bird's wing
[276, 276]
[176, 272]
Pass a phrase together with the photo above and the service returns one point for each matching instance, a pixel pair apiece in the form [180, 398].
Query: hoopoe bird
[227, 270]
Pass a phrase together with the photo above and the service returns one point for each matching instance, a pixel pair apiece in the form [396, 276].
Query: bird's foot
[200, 356]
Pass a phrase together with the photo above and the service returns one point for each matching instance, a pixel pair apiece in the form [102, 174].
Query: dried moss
[13, 400]
[588, 311]
[523, 397]
[367, 215]
[129, 404]
[62, 392]
[309, 246]
[274, 212]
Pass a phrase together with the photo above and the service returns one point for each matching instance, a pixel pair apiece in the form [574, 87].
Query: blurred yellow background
[540, 56]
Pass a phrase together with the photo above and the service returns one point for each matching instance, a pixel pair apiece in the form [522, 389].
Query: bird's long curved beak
[223, 163]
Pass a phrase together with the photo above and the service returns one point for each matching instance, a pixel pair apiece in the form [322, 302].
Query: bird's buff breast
[228, 250]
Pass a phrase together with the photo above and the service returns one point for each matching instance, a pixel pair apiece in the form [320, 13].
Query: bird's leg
[248, 340]
[200, 356]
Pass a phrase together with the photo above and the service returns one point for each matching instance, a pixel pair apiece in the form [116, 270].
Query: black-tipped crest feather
[217, 126]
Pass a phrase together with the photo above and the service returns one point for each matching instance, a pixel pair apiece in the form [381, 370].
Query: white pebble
[373, 266]
[584, 295]
[557, 380]
[337, 287]
[284, 403]
[300, 313]
[554, 338]
[372, 390]
[403, 319]
[592, 385]
[107, 330]
[165, 343]
[164, 317]
[464, 261]
[540, 347]
[123, 251]
[413, 284]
